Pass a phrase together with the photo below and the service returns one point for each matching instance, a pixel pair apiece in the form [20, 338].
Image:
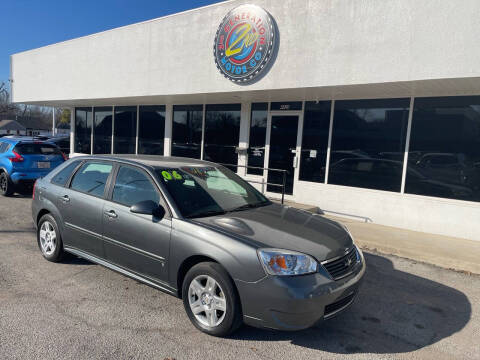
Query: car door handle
[65, 198]
[111, 214]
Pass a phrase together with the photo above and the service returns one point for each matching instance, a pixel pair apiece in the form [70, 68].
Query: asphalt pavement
[79, 310]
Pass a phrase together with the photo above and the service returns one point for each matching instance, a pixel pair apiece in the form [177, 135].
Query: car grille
[343, 266]
[338, 305]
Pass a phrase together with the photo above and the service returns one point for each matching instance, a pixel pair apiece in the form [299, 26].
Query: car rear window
[36, 149]
[91, 178]
[64, 174]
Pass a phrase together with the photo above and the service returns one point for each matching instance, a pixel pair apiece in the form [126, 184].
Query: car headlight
[286, 262]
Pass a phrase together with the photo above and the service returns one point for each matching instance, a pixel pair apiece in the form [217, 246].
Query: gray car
[196, 230]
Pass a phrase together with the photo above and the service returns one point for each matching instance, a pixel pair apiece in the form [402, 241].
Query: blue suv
[24, 160]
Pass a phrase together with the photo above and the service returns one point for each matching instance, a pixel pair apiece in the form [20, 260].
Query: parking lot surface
[79, 310]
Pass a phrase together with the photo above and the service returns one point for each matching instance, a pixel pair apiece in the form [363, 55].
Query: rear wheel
[6, 186]
[49, 239]
[211, 300]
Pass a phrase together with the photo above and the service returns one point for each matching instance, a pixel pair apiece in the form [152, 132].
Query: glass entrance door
[282, 151]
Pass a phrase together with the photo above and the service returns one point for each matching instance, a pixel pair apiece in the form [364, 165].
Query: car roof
[155, 161]
[23, 139]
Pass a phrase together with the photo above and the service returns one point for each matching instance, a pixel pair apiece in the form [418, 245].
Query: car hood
[284, 227]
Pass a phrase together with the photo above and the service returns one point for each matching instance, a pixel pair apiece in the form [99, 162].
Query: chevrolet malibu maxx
[196, 230]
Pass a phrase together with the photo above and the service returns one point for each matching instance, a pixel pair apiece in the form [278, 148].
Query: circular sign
[244, 43]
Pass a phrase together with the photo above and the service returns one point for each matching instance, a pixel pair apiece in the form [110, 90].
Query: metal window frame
[329, 143]
[203, 131]
[113, 128]
[137, 127]
[407, 145]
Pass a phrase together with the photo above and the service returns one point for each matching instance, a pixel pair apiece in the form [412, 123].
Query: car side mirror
[148, 207]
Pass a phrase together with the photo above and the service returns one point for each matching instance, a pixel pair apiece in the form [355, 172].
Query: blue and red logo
[244, 43]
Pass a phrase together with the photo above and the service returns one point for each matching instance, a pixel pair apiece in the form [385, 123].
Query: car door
[81, 205]
[137, 242]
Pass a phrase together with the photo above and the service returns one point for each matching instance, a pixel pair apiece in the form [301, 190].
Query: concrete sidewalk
[447, 252]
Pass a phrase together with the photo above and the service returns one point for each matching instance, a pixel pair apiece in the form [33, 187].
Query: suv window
[64, 174]
[3, 147]
[132, 186]
[36, 149]
[91, 178]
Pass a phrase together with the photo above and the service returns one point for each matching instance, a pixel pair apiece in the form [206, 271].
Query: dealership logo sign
[245, 43]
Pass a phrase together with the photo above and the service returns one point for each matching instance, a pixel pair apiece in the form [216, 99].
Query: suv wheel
[49, 239]
[211, 300]
[6, 186]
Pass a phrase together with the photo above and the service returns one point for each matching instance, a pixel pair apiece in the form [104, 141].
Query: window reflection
[368, 143]
[83, 130]
[187, 131]
[222, 127]
[258, 131]
[125, 129]
[102, 133]
[444, 155]
[151, 129]
[316, 126]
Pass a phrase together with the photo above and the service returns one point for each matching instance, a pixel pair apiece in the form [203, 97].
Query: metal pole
[284, 183]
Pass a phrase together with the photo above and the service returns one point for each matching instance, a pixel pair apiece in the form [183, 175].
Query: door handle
[65, 198]
[111, 214]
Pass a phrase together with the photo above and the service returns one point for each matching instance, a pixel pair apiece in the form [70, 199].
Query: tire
[49, 239]
[198, 294]
[6, 186]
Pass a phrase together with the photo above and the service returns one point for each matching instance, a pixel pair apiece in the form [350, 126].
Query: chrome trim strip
[338, 257]
[129, 247]
[118, 243]
[118, 269]
[332, 314]
[78, 228]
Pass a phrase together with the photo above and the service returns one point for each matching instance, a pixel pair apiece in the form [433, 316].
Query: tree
[64, 117]
[5, 105]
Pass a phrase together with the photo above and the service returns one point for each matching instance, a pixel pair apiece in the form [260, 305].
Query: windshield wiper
[206, 213]
[249, 206]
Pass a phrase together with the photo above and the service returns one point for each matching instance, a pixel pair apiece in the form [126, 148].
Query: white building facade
[372, 107]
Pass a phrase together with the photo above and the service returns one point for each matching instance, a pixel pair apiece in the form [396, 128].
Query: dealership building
[372, 107]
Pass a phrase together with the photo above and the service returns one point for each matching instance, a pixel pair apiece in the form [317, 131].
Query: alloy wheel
[3, 183]
[48, 238]
[207, 300]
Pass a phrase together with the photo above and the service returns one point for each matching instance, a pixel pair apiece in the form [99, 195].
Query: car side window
[132, 186]
[91, 178]
[3, 147]
[64, 174]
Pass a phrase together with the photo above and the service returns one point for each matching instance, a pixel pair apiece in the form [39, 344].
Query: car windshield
[201, 191]
[36, 149]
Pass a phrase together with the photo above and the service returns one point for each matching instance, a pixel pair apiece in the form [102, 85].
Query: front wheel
[6, 186]
[49, 239]
[211, 300]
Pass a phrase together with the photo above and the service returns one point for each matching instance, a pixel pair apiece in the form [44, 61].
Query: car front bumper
[298, 302]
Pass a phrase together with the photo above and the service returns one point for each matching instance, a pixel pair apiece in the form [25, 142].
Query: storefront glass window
[258, 131]
[102, 132]
[316, 123]
[151, 129]
[368, 143]
[444, 154]
[83, 130]
[222, 127]
[187, 131]
[125, 129]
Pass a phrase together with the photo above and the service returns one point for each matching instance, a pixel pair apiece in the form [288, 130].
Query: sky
[29, 24]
